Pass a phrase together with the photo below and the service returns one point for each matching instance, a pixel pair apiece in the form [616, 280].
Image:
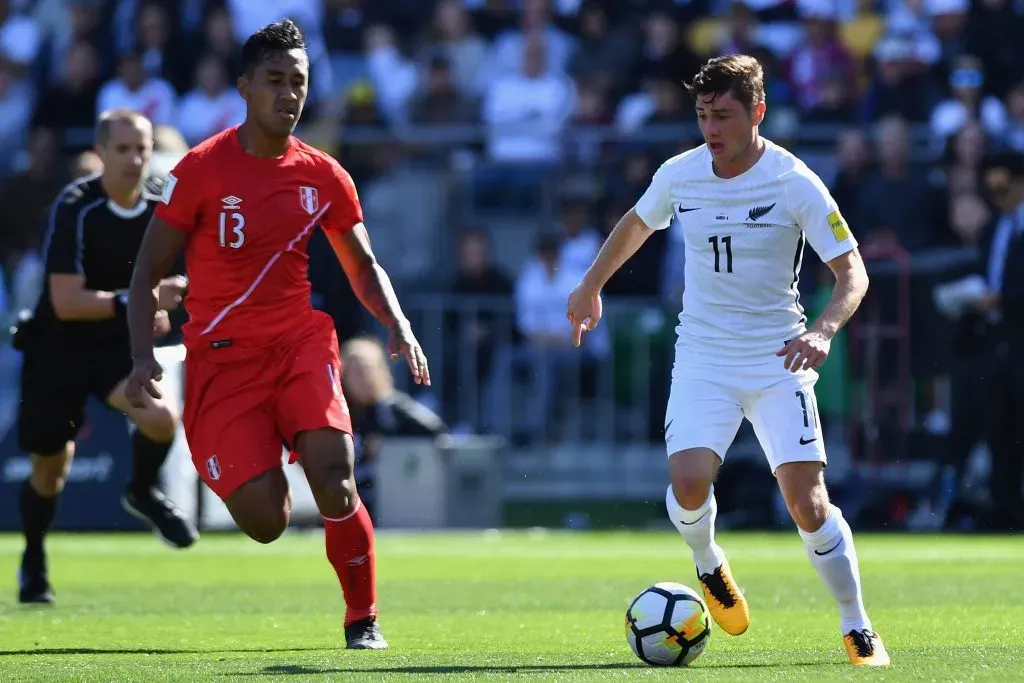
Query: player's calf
[328, 456]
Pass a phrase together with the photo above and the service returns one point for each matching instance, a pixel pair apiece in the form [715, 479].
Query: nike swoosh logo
[818, 552]
[682, 210]
[697, 520]
[804, 442]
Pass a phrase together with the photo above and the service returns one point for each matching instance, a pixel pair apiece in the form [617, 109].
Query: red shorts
[239, 414]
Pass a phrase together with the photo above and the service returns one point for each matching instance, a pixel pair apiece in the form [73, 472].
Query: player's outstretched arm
[585, 305]
[160, 247]
[372, 285]
[811, 348]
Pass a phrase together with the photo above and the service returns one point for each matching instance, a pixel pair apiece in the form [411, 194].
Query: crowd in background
[557, 112]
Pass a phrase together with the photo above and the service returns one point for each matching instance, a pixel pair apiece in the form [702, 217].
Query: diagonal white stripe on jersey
[266, 269]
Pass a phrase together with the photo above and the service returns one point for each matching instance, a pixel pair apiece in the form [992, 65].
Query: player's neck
[257, 143]
[127, 198]
[743, 162]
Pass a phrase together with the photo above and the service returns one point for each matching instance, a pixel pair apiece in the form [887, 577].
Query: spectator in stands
[1004, 307]
[345, 24]
[949, 24]
[902, 83]
[546, 354]
[451, 35]
[968, 216]
[511, 48]
[962, 162]
[25, 205]
[604, 55]
[525, 113]
[70, 102]
[899, 201]
[853, 152]
[162, 55]
[663, 53]
[580, 242]
[1015, 125]
[212, 106]
[475, 330]
[394, 77]
[440, 102]
[218, 38]
[968, 102]
[80, 22]
[378, 409]
[133, 89]
[17, 94]
[822, 69]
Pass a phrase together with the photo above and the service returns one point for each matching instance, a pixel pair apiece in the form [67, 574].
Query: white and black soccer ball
[668, 625]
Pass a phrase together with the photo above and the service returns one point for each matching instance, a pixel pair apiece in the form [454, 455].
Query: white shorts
[707, 404]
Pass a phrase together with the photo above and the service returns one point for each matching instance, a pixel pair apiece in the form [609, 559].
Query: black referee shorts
[55, 385]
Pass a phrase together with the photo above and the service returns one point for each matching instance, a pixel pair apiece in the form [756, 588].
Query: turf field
[529, 605]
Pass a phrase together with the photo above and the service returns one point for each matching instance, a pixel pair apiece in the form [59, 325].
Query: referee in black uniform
[76, 343]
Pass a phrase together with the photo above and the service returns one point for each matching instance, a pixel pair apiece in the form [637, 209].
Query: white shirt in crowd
[526, 116]
[201, 115]
[744, 240]
[155, 99]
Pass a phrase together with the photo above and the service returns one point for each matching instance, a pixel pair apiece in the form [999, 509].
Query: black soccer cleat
[365, 635]
[167, 521]
[33, 585]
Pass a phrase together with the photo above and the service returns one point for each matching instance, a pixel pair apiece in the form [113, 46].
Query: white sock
[833, 555]
[697, 528]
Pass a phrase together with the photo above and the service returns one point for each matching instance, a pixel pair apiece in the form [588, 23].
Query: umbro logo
[759, 212]
[231, 202]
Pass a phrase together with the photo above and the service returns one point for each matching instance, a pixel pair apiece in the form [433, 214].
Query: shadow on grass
[299, 670]
[54, 651]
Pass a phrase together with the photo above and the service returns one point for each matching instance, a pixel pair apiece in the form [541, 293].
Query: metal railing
[490, 379]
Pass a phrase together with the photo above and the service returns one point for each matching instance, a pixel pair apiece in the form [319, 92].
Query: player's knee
[336, 495]
[159, 424]
[50, 472]
[267, 525]
[691, 476]
[809, 512]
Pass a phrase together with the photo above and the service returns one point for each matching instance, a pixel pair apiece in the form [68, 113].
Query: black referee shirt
[88, 234]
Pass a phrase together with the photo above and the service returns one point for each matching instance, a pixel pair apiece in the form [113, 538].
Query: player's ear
[242, 84]
[759, 109]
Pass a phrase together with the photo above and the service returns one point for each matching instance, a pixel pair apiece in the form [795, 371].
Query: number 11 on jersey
[237, 229]
[727, 246]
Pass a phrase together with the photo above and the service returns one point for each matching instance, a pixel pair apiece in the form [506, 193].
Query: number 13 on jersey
[232, 229]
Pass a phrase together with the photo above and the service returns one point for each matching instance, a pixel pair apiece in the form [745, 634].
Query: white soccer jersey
[744, 240]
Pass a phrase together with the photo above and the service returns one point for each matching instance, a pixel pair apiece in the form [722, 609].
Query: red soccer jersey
[249, 220]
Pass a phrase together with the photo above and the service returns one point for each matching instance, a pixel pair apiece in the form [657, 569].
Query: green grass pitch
[508, 605]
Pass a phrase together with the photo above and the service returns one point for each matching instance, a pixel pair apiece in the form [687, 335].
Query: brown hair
[739, 75]
[108, 118]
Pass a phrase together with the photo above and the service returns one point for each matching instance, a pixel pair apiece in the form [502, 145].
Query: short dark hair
[280, 36]
[108, 118]
[739, 75]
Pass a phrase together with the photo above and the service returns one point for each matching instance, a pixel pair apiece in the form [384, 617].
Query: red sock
[350, 552]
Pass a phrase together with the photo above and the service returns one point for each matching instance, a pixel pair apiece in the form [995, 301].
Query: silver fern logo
[759, 212]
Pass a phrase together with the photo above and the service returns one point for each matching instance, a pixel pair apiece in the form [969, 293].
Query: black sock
[148, 457]
[36, 516]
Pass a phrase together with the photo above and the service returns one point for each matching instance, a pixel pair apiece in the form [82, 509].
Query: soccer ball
[668, 625]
